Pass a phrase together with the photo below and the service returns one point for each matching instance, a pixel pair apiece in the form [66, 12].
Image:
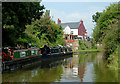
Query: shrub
[92, 44]
[85, 45]
[82, 45]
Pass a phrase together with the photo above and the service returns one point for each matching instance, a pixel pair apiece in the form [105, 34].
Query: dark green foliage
[107, 30]
[47, 13]
[9, 35]
[96, 16]
[44, 31]
[111, 39]
[113, 59]
[93, 44]
[106, 18]
[96, 34]
[22, 41]
[80, 42]
[83, 45]
[17, 15]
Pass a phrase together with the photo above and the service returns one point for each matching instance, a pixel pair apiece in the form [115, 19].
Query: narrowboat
[55, 51]
[19, 57]
[10, 54]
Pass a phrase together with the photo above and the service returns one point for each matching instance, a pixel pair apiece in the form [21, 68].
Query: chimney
[81, 21]
[59, 21]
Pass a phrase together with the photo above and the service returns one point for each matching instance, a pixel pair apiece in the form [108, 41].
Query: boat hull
[19, 63]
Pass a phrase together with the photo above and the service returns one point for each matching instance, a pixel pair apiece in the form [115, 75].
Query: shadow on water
[88, 67]
[42, 71]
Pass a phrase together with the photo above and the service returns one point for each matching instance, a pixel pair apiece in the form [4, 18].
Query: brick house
[73, 30]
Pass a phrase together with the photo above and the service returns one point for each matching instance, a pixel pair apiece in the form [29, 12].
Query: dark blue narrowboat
[55, 51]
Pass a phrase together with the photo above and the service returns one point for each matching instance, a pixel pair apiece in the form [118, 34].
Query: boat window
[32, 52]
[22, 54]
[57, 50]
[52, 50]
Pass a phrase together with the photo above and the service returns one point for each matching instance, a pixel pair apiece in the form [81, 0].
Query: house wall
[67, 30]
[81, 29]
[75, 31]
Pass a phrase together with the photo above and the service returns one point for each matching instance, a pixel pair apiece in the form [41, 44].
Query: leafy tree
[106, 18]
[44, 31]
[107, 31]
[96, 16]
[96, 34]
[111, 39]
[17, 15]
[47, 13]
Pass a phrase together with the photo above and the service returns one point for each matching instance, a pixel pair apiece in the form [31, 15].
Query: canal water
[89, 67]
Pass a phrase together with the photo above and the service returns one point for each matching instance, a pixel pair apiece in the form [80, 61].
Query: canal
[89, 67]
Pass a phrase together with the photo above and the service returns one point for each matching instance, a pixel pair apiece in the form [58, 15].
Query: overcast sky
[75, 10]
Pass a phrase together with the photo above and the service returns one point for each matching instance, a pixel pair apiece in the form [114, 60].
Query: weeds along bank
[107, 32]
[87, 46]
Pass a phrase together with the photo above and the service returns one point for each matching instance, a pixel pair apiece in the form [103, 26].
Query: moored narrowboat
[9, 54]
[55, 51]
[18, 57]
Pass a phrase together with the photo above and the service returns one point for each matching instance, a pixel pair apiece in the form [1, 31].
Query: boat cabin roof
[16, 48]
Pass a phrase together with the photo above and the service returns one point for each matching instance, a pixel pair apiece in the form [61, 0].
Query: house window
[71, 32]
[66, 37]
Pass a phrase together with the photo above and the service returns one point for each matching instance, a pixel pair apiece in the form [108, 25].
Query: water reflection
[46, 71]
[79, 68]
[81, 71]
[70, 71]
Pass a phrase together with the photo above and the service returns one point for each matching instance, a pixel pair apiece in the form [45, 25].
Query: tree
[111, 39]
[107, 32]
[17, 15]
[96, 16]
[106, 18]
[47, 13]
[44, 31]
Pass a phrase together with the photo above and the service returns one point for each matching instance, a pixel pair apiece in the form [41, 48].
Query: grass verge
[87, 50]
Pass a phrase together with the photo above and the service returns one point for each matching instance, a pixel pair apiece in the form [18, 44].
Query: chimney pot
[81, 21]
[59, 21]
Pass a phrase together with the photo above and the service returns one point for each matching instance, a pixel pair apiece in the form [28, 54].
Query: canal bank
[86, 67]
[87, 51]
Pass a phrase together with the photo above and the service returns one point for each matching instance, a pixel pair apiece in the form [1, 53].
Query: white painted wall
[67, 30]
[75, 31]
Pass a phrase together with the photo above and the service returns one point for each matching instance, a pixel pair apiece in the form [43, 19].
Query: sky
[76, 10]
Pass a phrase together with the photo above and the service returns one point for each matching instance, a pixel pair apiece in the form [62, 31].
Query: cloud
[66, 17]
[73, 17]
[70, 14]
